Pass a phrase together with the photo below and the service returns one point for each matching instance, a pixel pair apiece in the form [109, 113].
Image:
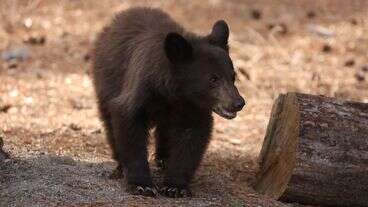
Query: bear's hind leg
[106, 119]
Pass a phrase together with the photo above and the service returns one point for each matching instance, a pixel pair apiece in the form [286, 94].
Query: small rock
[359, 76]
[35, 39]
[270, 26]
[75, 127]
[311, 14]
[349, 63]
[280, 28]
[364, 68]
[354, 21]
[326, 48]
[320, 31]
[28, 23]
[5, 108]
[12, 64]
[96, 131]
[256, 14]
[18, 53]
[79, 104]
[87, 57]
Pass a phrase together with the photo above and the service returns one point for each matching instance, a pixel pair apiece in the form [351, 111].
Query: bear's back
[142, 20]
[134, 37]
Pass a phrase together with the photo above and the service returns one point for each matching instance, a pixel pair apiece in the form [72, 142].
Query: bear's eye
[214, 79]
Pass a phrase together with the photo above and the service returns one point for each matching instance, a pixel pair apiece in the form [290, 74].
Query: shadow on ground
[50, 180]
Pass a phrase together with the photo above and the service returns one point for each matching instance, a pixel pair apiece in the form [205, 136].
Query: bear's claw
[175, 192]
[142, 190]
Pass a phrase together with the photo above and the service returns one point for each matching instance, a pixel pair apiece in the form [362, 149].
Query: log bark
[315, 152]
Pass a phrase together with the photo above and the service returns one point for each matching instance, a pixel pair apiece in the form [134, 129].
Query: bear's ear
[220, 34]
[177, 48]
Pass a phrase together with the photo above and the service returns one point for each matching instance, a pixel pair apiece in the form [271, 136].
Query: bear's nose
[238, 104]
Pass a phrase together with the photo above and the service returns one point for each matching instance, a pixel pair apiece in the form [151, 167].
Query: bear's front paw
[175, 192]
[143, 190]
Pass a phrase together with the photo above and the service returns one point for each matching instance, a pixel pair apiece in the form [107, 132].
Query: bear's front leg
[162, 146]
[188, 143]
[130, 133]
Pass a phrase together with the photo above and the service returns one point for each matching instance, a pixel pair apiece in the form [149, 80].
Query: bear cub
[150, 73]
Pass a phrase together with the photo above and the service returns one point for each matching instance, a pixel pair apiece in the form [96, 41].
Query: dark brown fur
[150, 72]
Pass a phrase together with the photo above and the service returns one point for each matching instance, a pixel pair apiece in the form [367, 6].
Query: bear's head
[203, 70]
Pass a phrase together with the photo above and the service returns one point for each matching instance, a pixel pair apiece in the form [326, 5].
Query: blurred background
[48, 115]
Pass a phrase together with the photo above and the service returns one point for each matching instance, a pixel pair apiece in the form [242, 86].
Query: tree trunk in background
[316, 152]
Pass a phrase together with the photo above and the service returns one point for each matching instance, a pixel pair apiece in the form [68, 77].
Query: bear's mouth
[225, 113]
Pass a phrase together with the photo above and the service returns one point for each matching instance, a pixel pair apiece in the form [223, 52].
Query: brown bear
[149, 72]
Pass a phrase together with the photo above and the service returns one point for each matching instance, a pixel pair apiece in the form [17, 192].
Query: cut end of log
[315, 152]
[277, 158]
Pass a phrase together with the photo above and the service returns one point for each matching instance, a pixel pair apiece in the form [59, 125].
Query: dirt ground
[48, 117]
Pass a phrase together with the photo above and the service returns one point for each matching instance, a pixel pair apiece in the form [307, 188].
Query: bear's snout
[229, 101]
[238, 104]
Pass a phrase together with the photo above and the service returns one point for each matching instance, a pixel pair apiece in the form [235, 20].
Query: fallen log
[315, 152]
